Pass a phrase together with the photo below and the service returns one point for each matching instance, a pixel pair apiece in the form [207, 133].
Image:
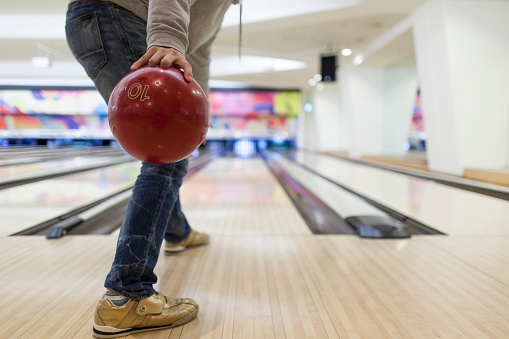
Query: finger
[186, 66]
[188, 72]
[167, 61]
[156, 59]
[143, 60]
[180, 61]
[140, 62]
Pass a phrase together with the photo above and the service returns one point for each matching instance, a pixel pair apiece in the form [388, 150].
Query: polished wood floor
[264, 275]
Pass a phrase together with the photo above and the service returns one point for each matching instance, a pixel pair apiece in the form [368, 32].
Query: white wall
[378, 104]
[368, 112]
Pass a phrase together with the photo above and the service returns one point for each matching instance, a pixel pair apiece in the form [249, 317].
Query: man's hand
[165, 57]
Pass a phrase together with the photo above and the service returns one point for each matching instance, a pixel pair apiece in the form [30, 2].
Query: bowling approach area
[295, 250]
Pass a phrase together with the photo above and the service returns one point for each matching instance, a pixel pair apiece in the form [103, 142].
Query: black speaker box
[329, 65]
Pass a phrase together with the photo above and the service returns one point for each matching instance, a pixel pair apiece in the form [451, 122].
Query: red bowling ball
[157, 116]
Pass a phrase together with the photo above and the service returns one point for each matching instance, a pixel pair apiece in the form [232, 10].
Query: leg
[143, 229]
[106, 39]
[178, 228]
[179, 235]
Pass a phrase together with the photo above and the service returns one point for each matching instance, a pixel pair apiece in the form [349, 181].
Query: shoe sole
[123, 333]
[180, 249]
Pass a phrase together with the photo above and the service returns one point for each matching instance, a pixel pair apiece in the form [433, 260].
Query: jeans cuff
[134, 296]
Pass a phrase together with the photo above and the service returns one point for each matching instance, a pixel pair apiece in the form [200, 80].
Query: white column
[462, 50]
[361, 92]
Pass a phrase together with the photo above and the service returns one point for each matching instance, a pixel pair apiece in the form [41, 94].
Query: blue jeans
[106, 40]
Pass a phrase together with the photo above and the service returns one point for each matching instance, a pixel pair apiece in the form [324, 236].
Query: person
[110, 39]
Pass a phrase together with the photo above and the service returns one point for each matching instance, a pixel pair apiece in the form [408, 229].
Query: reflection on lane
[30, 204]
[62, 164]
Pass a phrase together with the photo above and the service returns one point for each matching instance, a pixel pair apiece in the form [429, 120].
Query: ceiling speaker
[329, 65]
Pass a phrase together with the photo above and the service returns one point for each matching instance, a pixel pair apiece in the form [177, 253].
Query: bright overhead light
[256, 11]
[346, 52]
[312, 82]
[359, 59]
[41, 62]
[251, 64]
[317, 77]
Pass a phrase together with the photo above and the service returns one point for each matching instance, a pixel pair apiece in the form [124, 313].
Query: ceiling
[297, 30]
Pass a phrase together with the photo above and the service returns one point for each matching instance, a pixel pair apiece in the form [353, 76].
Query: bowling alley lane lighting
[244, 148]
[262, 144]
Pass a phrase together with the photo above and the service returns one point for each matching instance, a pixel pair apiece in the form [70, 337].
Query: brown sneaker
[153, 313]
[194, 239]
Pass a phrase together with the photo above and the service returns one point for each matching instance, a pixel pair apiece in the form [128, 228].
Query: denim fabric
[142, 232]
[106, 40]
[178, 228]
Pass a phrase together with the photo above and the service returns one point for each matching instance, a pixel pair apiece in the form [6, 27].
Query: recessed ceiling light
[346, 52]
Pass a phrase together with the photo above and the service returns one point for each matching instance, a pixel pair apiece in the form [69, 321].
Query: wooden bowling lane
[277, 286]
[264, 275]
[27, 205]
[58, 279]
[239, 196]
[447, 209]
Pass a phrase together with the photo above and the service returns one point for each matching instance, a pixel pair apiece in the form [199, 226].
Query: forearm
[168, 24]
